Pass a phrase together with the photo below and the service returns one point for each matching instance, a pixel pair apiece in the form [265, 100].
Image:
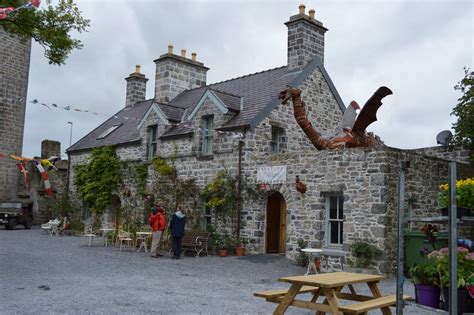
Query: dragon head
[290, 92]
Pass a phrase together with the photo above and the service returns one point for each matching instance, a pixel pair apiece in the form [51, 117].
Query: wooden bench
[195, 241]
[272, 294]
[377, 303]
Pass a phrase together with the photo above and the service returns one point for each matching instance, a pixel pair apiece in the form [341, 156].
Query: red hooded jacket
[157, 221]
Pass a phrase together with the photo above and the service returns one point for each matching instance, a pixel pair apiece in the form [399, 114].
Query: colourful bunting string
[235, 135]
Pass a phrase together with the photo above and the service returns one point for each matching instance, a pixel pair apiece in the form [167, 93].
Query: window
[208, 132]
[207, 217]
[278, 141]
[108, 131]
[151, 142]
[334, 220]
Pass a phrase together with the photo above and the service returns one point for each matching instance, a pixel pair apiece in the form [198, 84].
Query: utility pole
[70, 133]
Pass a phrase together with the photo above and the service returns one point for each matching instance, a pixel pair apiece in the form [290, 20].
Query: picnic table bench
[195, 241]
[329, 286]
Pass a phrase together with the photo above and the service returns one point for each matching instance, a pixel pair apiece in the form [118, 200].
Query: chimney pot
[311, 13]
[193, 56]
[302, 7]
[183, 53]
[170, 49]
[137, 69]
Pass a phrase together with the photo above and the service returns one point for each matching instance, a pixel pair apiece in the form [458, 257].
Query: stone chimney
[136, 87]
[176, 73]
[305, 39]
[50, 148]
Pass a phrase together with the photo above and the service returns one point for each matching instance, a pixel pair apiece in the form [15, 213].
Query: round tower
[14, 68]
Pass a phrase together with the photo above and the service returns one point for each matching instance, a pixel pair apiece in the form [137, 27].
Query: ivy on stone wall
[170, 190]
[99, 179]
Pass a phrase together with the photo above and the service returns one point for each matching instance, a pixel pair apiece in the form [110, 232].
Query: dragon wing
[368, 114]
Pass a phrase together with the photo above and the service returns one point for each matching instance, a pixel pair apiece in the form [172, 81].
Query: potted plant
[224, 244]
[464, 276]
[426, 279]
[464, 197]
[240, 248]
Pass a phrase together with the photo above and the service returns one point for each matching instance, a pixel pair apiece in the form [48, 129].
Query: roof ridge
[247, 75]
[236, 78]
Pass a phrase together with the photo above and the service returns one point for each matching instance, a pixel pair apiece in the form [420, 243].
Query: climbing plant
[171, 190]
[99, 179]
[222, 195]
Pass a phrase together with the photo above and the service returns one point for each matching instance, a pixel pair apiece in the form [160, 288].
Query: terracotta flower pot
[223, 252]
[240, 251]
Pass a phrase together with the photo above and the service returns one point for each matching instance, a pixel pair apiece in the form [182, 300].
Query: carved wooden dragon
[350, 137]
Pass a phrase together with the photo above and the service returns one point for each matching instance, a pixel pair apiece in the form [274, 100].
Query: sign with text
[271, 174]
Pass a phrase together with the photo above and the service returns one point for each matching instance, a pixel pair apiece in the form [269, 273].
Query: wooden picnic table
[329, 286]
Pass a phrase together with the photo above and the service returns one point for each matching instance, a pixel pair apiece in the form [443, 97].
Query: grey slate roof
[231, 101]
[259, 92]
[173, 113]
[128, 118]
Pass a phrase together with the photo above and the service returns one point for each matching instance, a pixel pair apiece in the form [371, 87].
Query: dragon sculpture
[354, 129]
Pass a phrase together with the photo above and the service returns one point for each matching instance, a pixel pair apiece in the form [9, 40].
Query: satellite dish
[444, 137]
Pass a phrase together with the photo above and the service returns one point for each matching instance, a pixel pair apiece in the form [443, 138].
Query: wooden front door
[276, 224]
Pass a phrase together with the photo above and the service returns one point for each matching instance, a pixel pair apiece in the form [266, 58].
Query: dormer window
[108, 131]
[278, 141]
[152, 144]
[208, 134]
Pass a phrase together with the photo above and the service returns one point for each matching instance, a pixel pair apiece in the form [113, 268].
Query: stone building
[208, 127]
[14, 64]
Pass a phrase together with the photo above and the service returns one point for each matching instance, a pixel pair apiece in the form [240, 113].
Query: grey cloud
[416, 48]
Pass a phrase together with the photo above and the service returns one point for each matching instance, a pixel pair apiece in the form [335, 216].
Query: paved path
[43, 274]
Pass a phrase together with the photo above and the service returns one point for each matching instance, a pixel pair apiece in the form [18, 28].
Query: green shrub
[364, 253]
[302, 259]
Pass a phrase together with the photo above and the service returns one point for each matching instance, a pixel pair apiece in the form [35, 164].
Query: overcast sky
[416, 48]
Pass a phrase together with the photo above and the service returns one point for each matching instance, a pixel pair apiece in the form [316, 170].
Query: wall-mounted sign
[271, 174]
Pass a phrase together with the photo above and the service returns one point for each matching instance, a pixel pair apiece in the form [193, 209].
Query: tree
[49, 26]
[464, 111]
[98, 180]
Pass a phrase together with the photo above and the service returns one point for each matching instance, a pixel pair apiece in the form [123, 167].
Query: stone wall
[448, 153]
[14, 65]
[367, 179]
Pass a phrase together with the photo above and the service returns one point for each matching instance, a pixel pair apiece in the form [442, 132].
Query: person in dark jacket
[158, 224]
[177, 224]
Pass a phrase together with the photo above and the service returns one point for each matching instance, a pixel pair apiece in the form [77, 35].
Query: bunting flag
[44, 176]
[22, 168]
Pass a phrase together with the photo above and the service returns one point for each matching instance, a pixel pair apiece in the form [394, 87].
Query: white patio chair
[124, 237]
[89, 234]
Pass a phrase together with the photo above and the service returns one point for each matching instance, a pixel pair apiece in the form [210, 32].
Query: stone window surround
[327, 230]
[277, 145]
[207, 137]
[152, 144]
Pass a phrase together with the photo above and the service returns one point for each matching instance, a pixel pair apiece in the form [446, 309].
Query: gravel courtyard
[44, 274]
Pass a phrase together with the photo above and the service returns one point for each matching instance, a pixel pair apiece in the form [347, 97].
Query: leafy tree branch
[50, 26]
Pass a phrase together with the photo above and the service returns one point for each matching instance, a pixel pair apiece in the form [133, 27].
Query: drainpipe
[239, 185]
[68, 173]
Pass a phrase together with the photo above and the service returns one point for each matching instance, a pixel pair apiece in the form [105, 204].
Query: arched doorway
[276, 224]
[114, 215]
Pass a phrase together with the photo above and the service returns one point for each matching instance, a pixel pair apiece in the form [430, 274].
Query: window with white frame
[208, 134]
[334, 220]
[152, 142]
[278, 141]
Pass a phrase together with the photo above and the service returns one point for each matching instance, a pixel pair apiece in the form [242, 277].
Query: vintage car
[16, 213]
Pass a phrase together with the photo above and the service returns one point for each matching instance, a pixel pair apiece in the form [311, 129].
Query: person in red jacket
[158, 224]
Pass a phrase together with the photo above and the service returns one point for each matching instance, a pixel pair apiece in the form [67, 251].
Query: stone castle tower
[14, 69]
